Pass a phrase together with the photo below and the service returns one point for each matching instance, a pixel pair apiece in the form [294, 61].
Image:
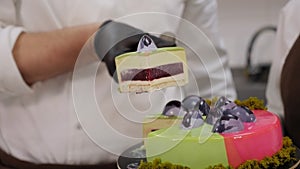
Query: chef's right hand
[115, 38]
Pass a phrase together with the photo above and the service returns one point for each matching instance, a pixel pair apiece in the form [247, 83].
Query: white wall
[239, 19]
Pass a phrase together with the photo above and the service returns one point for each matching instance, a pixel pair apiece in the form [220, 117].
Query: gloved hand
[115, 38]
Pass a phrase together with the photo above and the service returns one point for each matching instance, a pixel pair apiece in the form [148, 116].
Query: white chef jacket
[288, 30]
[39, 124]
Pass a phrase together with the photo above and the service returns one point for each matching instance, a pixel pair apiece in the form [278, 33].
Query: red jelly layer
[258, 140]
[150, 74]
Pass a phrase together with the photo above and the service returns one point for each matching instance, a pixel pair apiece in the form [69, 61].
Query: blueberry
[228, 123]
[204, 107]
[193, 102]
[242, 112]
[172, 108]
[213, 115]
[192, 119]
[222, 101]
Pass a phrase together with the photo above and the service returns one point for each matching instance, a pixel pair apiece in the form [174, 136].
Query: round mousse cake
[203, 135]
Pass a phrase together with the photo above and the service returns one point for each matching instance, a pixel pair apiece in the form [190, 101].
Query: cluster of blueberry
[224, 115]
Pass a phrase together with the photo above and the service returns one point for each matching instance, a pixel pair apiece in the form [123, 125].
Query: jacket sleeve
[287, 32]
[11, 81]
[207, 58]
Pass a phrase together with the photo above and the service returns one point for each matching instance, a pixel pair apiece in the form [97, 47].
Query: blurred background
[248, 29]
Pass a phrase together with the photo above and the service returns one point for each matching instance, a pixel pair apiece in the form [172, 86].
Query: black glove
[115, 38]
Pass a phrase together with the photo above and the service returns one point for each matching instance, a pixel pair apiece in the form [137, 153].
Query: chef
[283, 85]
[49, 88]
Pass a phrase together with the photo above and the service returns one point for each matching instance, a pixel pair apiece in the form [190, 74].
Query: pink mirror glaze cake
[203, 135]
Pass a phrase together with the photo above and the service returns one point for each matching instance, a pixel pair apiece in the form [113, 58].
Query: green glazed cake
[224, 133]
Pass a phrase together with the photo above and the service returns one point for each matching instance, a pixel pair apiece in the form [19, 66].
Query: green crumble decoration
[286, 156]
[219, 166]
[158, 164]
[253, 103]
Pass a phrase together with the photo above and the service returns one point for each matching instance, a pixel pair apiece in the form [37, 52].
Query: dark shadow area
[246, 87]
